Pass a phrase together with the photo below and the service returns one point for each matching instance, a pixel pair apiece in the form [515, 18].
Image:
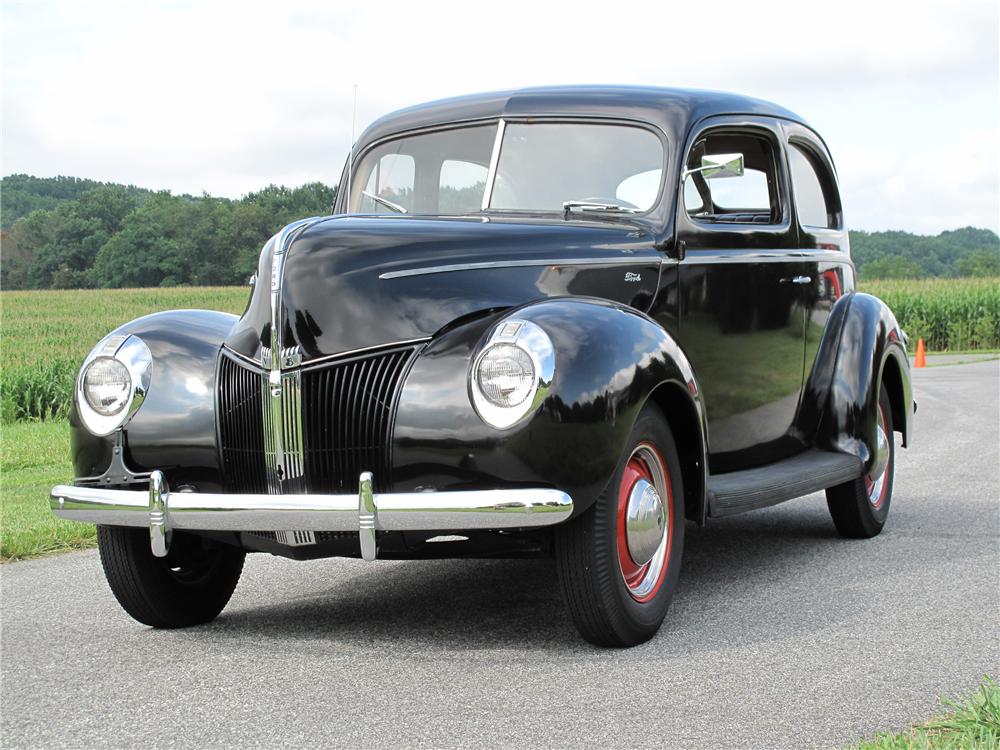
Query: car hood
[355, 282]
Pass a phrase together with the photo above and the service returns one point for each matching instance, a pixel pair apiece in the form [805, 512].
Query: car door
[741, 313]
[822, 239]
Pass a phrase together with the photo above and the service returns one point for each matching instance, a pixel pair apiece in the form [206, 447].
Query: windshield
[541, 167]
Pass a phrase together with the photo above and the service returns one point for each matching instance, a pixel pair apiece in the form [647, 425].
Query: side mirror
[717, 166]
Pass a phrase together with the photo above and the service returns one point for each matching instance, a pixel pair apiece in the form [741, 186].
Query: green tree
[980, 263]
[893, 267]
[146, 251]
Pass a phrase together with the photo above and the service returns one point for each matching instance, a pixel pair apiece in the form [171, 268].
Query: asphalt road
[780, 635]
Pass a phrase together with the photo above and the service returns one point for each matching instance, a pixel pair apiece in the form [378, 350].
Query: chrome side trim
[491, 174]
[612, 261]
[696, 257]
[367, 512]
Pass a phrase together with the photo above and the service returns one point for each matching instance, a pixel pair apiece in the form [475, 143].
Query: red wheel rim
[643, 580]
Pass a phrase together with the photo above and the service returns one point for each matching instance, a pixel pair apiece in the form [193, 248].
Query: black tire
[592, 577]
[854, 513]
[189, 586]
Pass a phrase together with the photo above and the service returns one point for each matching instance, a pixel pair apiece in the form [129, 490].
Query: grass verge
[972, 723]
[33, 457]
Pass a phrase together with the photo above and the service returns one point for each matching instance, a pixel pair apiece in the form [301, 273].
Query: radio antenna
[350, 154]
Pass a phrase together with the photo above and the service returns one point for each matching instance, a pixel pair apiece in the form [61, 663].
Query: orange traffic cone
[921, 359]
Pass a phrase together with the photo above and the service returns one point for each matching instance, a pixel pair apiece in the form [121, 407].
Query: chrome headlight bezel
[132, 352]
[533, 341]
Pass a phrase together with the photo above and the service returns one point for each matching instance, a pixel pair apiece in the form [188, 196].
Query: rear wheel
[189, 586]
[619, 561]
[859, 508]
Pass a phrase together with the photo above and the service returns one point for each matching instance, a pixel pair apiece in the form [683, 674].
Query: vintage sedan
[550, 322]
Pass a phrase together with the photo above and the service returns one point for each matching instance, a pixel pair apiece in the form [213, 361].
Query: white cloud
[226, 98]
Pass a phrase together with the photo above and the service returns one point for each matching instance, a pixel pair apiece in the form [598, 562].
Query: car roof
[674, 110]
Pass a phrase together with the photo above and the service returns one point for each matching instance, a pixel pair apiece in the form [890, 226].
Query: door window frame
[704, 235]
[811, 147]
[812, 238]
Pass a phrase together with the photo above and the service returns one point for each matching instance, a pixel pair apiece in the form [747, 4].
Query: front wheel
[189, 586]
[860, 507]
[618, 562]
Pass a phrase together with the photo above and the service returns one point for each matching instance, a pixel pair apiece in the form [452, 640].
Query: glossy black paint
[174, 429]
[337, 297]
[609, 360]
[686, 334]
[871, 347]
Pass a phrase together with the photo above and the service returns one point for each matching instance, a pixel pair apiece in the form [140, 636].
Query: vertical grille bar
[291, 411]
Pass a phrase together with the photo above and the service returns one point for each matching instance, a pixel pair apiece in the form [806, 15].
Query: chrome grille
[342, 430]
[241, 393]
[347, 418]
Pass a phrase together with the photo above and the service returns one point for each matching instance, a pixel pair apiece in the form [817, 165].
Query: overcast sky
[226, 98]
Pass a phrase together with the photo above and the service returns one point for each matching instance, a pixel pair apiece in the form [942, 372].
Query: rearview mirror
[717, 166]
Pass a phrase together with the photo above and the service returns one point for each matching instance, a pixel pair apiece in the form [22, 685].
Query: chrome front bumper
[162, 511]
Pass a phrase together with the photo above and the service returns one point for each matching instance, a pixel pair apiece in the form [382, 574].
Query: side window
[460, 186]
[751, 198]
[810, 200]
[392, 180]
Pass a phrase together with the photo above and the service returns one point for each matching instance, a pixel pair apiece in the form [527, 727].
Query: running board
[793, 477]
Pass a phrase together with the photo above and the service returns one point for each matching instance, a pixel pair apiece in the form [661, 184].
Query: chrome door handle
[798, 280]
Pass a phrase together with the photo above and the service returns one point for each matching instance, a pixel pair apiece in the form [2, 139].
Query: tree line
[67, 232]
[63, 233]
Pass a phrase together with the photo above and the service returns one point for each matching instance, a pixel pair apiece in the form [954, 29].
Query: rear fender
[862, 347]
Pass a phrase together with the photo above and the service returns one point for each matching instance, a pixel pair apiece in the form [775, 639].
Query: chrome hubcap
[881, 453]
[645, 522]
[880, 466]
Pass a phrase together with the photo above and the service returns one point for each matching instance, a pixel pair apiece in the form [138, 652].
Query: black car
[549, 322]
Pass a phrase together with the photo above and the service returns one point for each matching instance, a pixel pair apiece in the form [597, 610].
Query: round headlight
[512, 374]
[107, 386]
[506, 375]
[113, 383]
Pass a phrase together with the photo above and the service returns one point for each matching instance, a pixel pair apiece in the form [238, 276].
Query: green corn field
[948, 314]
[46, 334]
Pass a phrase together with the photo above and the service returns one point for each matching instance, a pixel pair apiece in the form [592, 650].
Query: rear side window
[807, 187]
[751, 198]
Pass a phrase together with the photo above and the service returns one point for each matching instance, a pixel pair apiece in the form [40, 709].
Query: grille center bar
[282, 391]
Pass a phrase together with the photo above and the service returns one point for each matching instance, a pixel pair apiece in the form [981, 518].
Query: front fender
[175, 426]
[862, 347]
[609, 360]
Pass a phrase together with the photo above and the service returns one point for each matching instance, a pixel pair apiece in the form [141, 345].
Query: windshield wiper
[387, 203]
[596, 207]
